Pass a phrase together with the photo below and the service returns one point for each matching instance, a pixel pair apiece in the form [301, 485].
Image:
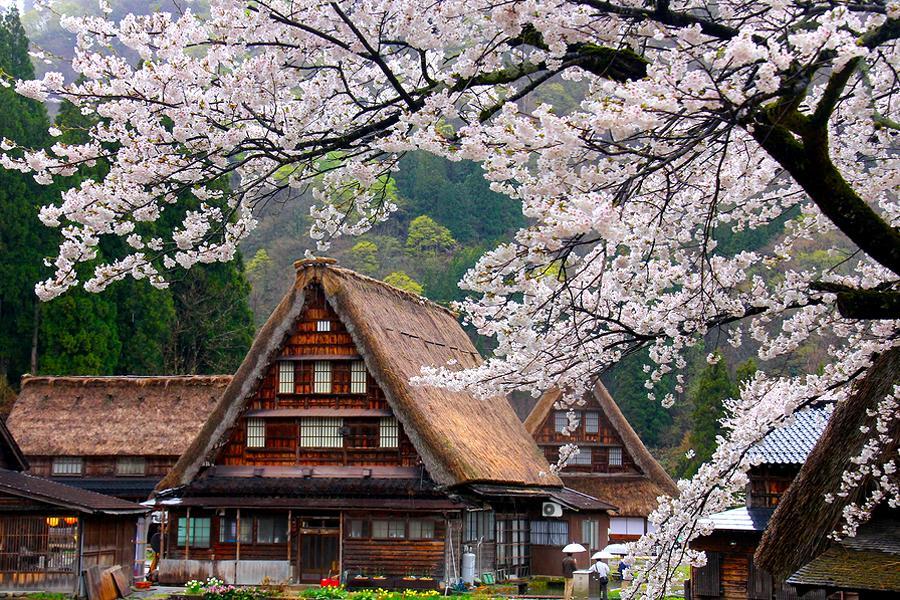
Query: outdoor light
[52, 521]
[71, 520]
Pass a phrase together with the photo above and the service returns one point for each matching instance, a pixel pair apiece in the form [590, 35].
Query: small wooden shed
[50, 533]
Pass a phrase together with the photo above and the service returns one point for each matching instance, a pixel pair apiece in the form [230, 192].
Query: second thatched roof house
[112, 435]
[612, 465]
[321, 459]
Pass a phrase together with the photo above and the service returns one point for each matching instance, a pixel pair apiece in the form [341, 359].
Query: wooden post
[187, 537]
[237, 556]
[290, 513]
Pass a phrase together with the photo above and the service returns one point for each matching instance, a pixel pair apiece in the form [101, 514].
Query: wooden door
[318, 549]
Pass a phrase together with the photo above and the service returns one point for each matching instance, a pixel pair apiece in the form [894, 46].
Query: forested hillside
[204, 322]
[201, 324]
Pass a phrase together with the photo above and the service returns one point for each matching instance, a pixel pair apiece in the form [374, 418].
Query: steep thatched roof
[634, 495]
[799, 529]
[461, 439]
[84, 416]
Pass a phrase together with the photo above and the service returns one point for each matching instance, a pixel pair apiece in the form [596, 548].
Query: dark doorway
[318, 553]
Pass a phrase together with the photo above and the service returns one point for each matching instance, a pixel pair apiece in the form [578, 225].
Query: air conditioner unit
[551, 509]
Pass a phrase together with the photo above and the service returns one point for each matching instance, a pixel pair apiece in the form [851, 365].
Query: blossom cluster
[687, 137]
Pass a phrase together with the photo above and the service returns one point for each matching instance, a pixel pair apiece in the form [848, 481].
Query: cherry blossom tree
[698, 118]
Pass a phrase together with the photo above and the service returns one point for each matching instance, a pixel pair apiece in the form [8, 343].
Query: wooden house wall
[396, 557]
[305, 345]
[109, 541]
[392, 558]
[102, 466]
[598, 444]
[38, 555]
[768, 483]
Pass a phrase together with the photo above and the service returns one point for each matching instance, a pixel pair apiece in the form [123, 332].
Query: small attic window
[322, 377]
[285, 377]
[388, 433]
[69, 466]
[615, 457]
[256, 433]
[323, 325]
[131, 466]
[592, 422]
[357, 377]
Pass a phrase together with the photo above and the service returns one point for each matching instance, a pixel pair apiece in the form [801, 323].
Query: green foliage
[144, 321]
[79, 335]
[23, 239]
[401, 280]
[428, 237]
[216, 589]
[707, 393]
[625, 383]
[364, 257]
[213, 325]
[457, 195]
[327, 592]
[341, 593]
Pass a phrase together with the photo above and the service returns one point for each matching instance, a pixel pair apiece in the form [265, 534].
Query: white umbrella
[620, 549]
[602, 555]
[574, 547]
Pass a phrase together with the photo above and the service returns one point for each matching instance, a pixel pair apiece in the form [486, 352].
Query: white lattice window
[615, 457]
[321, 432]
[286, 377]
[322, 377]
[592, 422]
[67, 465]
[388, 432]
[583, 457]
[134, 466]
[256, 433]
[357, 377]
[561, 421]
[323, 325]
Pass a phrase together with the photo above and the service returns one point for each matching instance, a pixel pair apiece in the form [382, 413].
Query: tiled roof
[58, 494]
[791, 444]
[742, 519]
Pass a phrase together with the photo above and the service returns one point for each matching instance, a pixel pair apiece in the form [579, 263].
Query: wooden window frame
[58, 462]
[320, 383]
[135, 460]
[323, 325]
[479, 524]
[287, 377]
[244, 536]
[358, 377]
[185, 534]
[395, 525]
[591, 420]
[255, 433]
[420, 524]
[315, 430]
[275, 520]
[615, 451]
[388, 433]
[557, 415]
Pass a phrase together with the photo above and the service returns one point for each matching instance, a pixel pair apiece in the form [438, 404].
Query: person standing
[600, 571]
[568, 568]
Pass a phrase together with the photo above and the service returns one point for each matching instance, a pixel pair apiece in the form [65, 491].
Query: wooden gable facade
[321, 461]
[318, 405]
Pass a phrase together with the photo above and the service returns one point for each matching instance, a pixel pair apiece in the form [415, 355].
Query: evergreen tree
[79, 336]
[24, 241]
[649, 418]
[707, 393]
[213, 324]
[144, 324]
